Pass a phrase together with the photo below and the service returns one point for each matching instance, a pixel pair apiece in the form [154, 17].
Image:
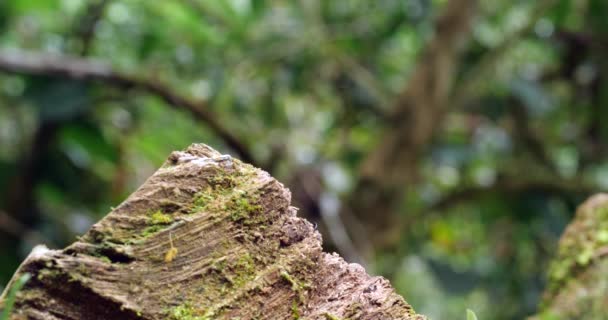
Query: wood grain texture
[238, 252]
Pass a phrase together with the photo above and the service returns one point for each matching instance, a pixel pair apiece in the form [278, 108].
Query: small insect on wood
[172, 252]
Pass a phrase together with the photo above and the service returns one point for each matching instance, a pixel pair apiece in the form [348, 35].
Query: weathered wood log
[578, 276]
[206, 237]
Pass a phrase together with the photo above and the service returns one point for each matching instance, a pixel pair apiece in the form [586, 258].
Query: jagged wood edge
[240, 252]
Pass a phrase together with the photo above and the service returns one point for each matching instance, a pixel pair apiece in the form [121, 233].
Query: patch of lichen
[583, 297]
[295, 310]
[224, 179]
[228, 192]
[329, 316]
[47, 273]
[150, 230]
[186, 312]
[105, 236]
[243, 269]
[243, 206]
[235, 276]
[226, 281]
[101, 256]
[159, 218]
[230, 196]
[583, 238]
[296, 285]
[299, 287]
[52, 275]
[353, 311]
[157, 221]
[202, 200]
[234, 272]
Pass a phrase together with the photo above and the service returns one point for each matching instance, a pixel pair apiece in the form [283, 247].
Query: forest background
[442, 144]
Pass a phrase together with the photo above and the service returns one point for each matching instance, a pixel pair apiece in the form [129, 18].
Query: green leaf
[471, 315]
[12, 294]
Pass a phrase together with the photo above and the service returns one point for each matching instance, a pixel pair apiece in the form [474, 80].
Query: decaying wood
[206, 237]
[578, 277]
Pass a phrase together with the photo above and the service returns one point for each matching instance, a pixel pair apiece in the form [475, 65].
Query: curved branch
[505, 186]
[31, 63]
[513, 187]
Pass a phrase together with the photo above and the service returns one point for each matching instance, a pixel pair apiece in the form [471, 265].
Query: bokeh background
[442, 144]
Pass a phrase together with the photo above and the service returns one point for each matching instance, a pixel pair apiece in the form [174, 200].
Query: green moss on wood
[295, 310]
[47, 273]
[150, 230]
[579, 247]
[158, 217]
[244, 270]
[242, 207]
[329, 316]
[226, 193]
[186, 312]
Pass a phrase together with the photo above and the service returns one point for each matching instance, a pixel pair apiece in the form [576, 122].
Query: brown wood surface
[206, 237]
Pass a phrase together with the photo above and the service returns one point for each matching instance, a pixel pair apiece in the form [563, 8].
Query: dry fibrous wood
[206, 237]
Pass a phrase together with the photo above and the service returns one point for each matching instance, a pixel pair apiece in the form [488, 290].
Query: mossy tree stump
[578, 276]
[206, 237]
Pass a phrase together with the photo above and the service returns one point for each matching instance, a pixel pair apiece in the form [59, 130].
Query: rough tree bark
[206, 237]
[578, 281]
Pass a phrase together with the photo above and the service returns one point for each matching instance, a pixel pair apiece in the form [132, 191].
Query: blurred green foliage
[307, 87]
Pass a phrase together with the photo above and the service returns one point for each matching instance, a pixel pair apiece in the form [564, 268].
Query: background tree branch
[506, 186]
[30, 63]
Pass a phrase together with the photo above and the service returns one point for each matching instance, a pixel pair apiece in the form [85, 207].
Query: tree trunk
[414, 119]
[206, 237]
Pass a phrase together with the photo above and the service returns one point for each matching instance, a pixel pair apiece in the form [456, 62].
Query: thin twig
[513, 186]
